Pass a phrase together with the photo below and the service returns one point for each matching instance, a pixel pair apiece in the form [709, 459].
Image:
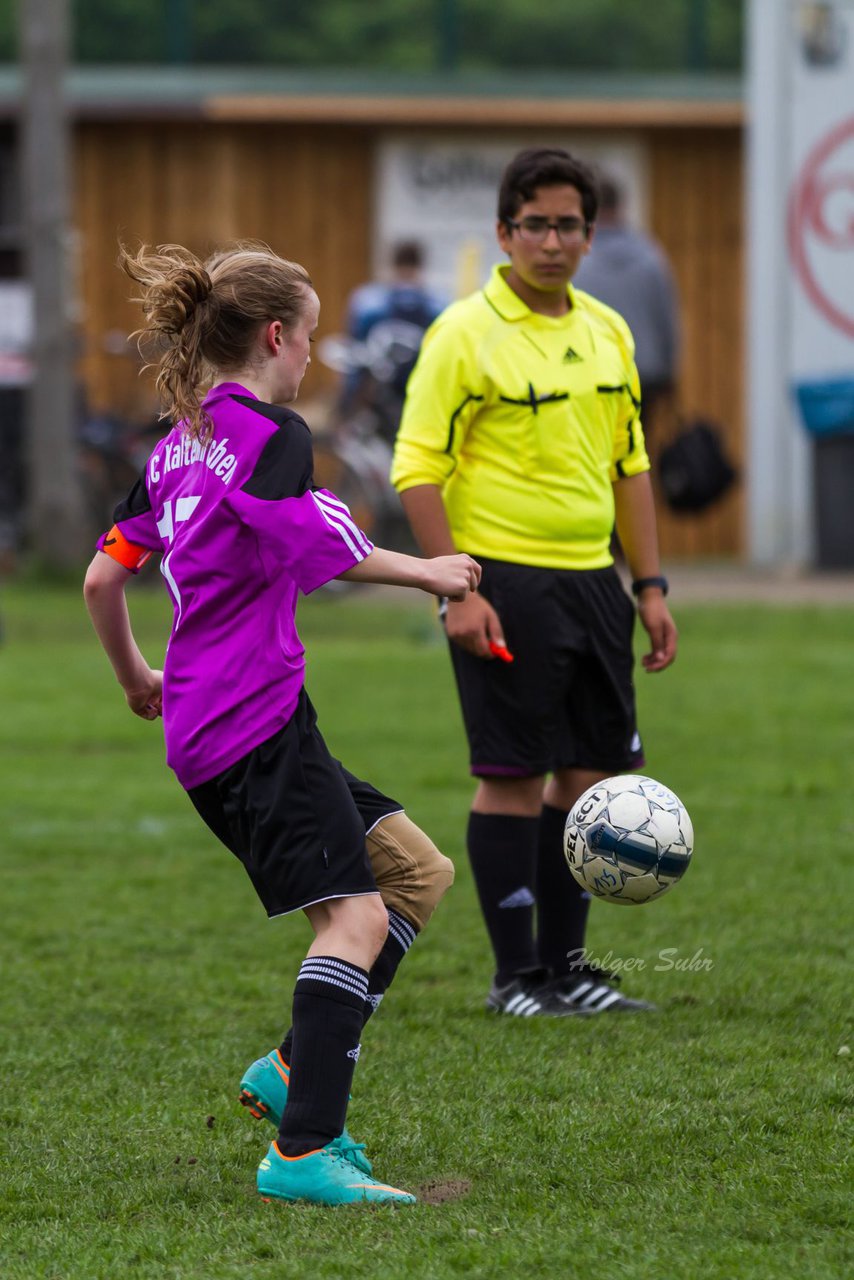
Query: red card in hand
[500, 651]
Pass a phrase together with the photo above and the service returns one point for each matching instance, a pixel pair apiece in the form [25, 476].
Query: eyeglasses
[534, 229]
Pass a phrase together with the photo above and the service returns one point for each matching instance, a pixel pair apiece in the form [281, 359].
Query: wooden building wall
[306, 189]
[697, 196]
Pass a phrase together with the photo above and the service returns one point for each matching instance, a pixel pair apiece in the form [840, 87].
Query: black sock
[401, 935]
[328, 1013]
[502, 851]
[562, 904]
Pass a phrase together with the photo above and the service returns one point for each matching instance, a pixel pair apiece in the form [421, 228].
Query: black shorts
[295, 817]
[567, 700]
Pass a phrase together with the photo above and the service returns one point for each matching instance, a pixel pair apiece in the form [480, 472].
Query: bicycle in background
[353, 448]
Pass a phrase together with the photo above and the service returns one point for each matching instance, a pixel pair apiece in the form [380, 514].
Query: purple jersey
[242, 529]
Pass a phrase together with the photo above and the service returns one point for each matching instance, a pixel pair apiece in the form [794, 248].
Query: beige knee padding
[410, 872]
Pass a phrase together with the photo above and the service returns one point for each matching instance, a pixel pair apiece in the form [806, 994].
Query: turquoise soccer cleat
[325, 1176]
[264, 1087]
[264, 1092]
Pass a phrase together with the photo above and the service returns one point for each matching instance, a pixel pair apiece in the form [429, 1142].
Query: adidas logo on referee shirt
[571, 356]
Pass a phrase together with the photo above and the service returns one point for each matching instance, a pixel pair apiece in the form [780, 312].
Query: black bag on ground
[693, 469]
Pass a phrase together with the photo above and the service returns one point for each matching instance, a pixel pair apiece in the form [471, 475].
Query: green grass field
[140, 976]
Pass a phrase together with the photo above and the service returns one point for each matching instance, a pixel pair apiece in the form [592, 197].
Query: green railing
[448, 36]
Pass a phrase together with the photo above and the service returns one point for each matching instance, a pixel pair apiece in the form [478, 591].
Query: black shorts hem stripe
[289, 911]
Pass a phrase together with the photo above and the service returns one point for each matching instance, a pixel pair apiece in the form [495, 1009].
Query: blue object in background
[827, 407]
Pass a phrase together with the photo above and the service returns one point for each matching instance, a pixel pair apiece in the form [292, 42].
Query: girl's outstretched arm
[452, 576]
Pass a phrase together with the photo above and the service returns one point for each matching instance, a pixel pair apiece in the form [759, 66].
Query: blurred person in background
[520, 443]
[404, 296]
[387, 318]
[627, 270]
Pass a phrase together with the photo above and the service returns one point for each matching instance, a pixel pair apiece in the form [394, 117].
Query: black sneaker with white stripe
[589, 989]
[529, 996]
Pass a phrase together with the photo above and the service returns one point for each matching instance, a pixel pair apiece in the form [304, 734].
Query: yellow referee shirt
[524, 421]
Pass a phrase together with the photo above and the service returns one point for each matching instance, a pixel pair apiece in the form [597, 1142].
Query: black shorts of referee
[295, 817]
[567, 700]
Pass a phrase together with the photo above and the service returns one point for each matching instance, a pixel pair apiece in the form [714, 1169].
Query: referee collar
[507, 303]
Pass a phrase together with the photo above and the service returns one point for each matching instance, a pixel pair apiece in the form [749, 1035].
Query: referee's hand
[473, 624]
[661, 629]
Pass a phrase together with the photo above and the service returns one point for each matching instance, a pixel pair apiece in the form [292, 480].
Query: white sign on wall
[16, 332]
[800, 260]
[441, 190]
[821, 191]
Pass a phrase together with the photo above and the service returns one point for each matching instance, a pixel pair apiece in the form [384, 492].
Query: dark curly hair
[545, 167]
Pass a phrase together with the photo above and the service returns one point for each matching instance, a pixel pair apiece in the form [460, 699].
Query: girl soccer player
[229, 501]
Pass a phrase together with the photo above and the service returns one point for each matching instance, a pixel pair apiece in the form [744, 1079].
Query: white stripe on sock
[401, 930]
[336, 973]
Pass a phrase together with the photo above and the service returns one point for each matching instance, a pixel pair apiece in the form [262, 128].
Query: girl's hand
[146, 699]
[452, 576]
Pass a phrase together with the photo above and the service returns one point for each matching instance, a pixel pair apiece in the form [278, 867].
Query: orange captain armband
[128, 554]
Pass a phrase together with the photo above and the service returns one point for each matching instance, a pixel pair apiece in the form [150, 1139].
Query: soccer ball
[628, 839]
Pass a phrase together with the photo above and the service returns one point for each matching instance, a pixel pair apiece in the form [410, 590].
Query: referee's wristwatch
[640, 584]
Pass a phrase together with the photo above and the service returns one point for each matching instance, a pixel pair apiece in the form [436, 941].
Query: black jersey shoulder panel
[135, 504]
[285, 465]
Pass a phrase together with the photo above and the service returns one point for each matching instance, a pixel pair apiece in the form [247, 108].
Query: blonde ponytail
[202, 318]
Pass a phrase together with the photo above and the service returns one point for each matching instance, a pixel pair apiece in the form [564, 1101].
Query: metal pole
[698, 35]
[779, 462]
[447, 31]
[55, 507]
[179, 31]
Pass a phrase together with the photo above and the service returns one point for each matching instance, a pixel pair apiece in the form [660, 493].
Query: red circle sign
[821, 218]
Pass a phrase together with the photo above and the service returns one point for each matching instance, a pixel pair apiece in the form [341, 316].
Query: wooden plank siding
[696, 213]
[306, 189]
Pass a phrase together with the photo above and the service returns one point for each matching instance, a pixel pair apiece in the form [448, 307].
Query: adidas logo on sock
[354, 1053]
[520, 898]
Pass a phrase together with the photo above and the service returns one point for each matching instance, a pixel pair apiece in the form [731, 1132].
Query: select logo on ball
[628, 839]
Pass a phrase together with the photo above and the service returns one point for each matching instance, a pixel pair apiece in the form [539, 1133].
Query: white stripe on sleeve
[337, 516]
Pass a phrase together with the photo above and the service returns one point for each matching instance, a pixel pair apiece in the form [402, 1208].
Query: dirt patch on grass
[440, 1192]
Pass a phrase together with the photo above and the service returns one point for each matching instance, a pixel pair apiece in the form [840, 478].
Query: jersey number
[183, 509]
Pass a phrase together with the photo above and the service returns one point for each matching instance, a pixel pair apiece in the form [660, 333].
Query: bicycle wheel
[333, 472]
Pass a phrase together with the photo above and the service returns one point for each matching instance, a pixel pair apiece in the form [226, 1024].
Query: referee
[521, 444]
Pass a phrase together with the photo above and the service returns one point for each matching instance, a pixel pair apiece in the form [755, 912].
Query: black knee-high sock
[562, 904]
[401, 935]
[502, 851]
[328, 1013]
